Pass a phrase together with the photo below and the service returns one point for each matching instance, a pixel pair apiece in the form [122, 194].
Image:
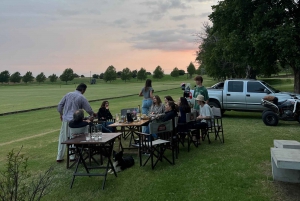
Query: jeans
[145, 110]
[146, 106]
[106, 128]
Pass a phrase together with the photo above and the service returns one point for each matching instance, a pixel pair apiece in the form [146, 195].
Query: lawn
[237, 170]
[22, 96]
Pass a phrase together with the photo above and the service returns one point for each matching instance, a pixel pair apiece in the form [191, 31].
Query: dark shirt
[182, 118]
[169, 115]
[104, 114]
[78, 124]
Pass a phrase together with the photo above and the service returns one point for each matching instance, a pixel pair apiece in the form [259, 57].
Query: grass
[237, 170]
[30, 96]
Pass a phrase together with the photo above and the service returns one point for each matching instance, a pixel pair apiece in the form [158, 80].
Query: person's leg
[62, 137]
[145, 110]
[112, 129]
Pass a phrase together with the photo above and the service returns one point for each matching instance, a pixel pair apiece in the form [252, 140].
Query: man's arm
[60, 106]
[86, 106]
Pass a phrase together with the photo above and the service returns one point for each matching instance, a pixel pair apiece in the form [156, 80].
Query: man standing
[71, 102]
[200, 90]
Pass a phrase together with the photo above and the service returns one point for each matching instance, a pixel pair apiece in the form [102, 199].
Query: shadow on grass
[287, 191]
[244, 115]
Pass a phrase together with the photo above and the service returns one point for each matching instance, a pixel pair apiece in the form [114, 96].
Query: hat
[200, 98]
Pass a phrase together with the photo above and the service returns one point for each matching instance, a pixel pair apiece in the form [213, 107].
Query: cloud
[159, 8]
[121, 23]
[182, 25]
[166, 40]
[205, 14]
[182, 17]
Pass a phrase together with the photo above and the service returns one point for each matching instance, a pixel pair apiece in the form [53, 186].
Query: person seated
[157, 107]
[169, 98]
[78, 120]
[184, 108]
[170, 111]
[104, 115]
[205, 114]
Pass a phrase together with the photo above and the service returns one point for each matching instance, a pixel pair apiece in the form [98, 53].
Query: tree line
[249, 38]
[109, 75]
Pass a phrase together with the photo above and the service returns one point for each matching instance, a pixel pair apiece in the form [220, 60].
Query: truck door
[235, 96]
[255, 92]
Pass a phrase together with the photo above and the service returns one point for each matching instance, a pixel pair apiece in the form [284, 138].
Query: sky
[89, 35]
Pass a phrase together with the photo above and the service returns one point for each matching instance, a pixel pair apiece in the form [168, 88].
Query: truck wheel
[270, 118]
[213, 104]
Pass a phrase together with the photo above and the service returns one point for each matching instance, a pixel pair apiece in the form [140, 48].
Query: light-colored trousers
[63, 136]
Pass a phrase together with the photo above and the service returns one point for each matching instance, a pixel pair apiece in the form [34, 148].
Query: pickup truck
[242, 94]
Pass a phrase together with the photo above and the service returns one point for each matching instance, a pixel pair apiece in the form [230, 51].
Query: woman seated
[169, 98]
[104, 115]
[184, 108]
[170, 113]
[157, 107]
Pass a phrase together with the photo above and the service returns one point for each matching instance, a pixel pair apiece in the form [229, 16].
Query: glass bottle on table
[117, 117]
[138, 113]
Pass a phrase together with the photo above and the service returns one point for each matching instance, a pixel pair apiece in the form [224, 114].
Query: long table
[105, 146]
[128, 130]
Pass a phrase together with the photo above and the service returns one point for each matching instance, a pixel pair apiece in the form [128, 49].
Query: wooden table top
[106, 137]
[135, 123]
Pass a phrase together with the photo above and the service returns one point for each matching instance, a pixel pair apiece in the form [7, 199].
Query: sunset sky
[89, 35]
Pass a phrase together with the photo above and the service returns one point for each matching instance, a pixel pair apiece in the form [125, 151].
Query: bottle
[129, 116]
[138, 112]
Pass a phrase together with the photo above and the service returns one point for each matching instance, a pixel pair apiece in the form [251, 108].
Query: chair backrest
[176, 121]
[161, 127]
[124, 111]
[81, 130]
[216, 111]
[190, 117]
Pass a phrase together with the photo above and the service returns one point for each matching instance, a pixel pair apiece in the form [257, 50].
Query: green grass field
[20, 97]
[237, 170]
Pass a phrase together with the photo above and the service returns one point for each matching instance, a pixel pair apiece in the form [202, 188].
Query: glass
[117, 117]
[99, 133]
[87, 136]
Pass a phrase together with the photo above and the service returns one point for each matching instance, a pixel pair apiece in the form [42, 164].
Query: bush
[16, 182]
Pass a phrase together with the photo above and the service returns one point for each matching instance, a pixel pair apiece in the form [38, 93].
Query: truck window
[255, 87]
[235, 86]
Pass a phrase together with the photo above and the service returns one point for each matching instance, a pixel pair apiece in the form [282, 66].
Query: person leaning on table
[71, 102]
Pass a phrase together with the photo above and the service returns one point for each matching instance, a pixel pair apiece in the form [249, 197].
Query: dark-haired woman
[147, 93]
[170, 111]
[169, 98]
[104, 115]
[184, 108]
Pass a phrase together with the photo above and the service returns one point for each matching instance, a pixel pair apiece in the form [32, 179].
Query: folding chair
[156, 149]
[210, 127]
[193, 134]
[218, 124]
[71, 149]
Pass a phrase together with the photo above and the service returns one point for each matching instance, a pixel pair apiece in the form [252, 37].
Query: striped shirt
[157, 109]
[70, 103]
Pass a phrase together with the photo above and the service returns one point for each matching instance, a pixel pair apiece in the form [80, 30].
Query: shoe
[73, 160]
[59, 161]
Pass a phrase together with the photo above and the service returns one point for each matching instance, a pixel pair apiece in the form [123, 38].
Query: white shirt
[205, 111]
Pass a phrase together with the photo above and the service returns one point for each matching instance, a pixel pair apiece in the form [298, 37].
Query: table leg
[79, 151]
